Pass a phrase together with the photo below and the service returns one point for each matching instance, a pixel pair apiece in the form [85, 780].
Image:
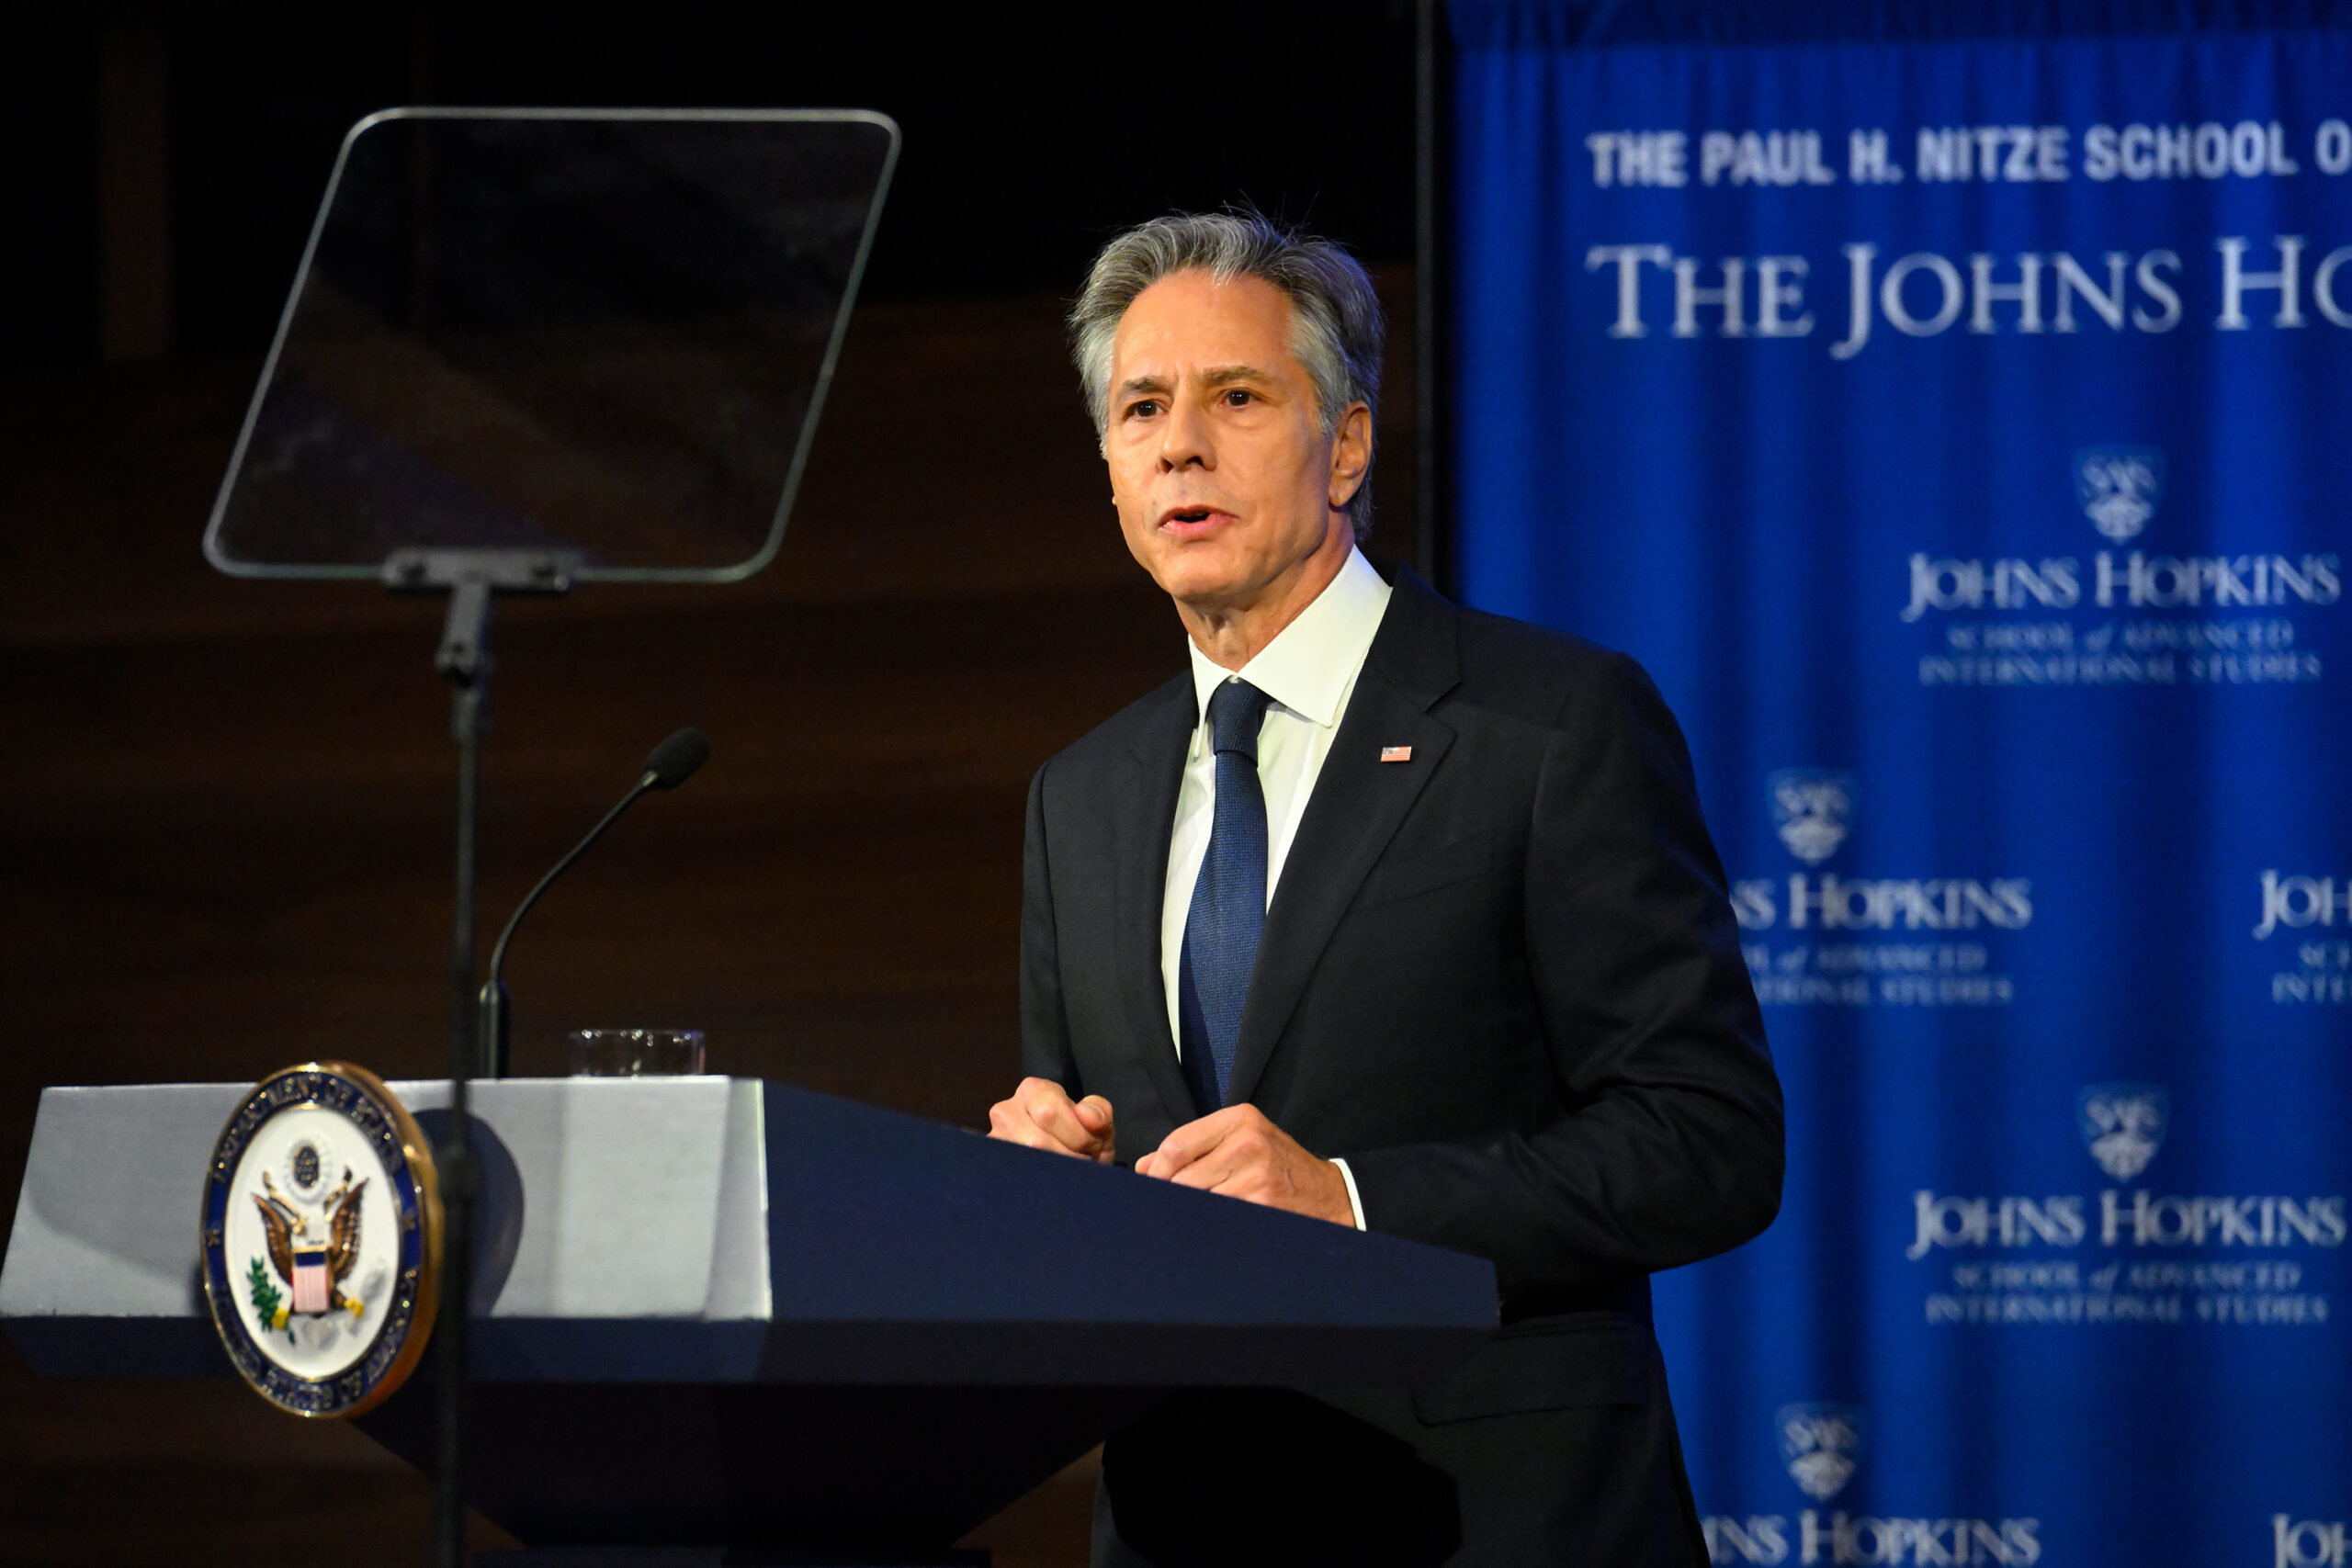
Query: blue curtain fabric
[1953, 408]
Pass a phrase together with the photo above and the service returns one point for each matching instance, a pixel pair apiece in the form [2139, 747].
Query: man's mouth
[1190, 521]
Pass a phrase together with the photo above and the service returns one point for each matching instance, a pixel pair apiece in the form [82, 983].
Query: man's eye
[1143, 408]
[1239, 397]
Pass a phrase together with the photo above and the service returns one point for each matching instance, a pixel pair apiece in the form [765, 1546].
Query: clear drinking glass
[634, 1053]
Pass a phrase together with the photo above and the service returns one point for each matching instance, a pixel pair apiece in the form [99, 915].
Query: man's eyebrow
[1134, 384]
[1214, 376]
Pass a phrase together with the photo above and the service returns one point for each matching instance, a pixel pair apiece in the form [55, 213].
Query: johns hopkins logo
[1821, 1444]
[2123, 1126]
[2119, 487]
[1810, 809]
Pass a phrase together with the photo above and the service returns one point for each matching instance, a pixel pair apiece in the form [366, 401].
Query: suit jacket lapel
[1357, 805]
[1142, 834]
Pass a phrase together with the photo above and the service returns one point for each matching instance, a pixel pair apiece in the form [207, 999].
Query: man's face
[1225, 483]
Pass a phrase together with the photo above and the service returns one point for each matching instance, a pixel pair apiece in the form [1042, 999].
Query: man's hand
[1237, 1152]
[1041, 1115]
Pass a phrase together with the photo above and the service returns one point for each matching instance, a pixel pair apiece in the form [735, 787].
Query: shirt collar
[1310, 662]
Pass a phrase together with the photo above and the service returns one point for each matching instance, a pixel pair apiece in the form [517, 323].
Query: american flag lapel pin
[1396, 753]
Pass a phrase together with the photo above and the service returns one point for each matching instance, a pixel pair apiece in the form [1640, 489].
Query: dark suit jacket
[1502, 979]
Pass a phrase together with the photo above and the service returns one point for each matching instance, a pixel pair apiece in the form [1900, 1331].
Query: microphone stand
[472, 579]
[493, 990]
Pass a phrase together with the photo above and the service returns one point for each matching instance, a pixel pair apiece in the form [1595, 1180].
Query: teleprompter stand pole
[472, 579]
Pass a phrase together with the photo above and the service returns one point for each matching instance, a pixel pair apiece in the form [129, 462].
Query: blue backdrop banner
[1961, 434]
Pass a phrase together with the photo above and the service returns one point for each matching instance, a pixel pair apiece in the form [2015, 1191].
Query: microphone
[673, 762]
[667, 766]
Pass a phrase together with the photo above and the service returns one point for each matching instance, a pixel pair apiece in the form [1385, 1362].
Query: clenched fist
[1041, 1115]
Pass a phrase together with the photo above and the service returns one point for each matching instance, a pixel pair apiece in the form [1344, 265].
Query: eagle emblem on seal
[311, 1254]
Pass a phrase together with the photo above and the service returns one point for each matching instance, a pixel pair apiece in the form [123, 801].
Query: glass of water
[635, 1053]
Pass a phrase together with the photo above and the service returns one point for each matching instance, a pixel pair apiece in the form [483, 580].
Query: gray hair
[1336, 330]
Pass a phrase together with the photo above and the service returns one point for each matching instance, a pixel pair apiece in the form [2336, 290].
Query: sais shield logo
[2119, 487]
[1811, 808]
[2123, 1126]
[1821, 1444]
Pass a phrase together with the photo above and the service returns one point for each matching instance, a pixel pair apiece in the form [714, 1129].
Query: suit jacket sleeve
[1668, 1146]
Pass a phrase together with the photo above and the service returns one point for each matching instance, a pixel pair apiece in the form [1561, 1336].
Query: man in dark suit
[1389, 913]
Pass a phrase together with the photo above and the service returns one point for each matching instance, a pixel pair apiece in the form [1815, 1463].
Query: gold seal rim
[416, 1149]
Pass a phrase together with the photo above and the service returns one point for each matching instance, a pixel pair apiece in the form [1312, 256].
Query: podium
[746, 1322]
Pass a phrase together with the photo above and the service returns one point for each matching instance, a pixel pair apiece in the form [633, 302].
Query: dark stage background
[227, 821]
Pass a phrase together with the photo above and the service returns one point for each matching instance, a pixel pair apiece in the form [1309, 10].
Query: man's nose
[1184, 440]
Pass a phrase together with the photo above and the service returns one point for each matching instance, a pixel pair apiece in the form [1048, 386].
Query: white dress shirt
[1309, 670]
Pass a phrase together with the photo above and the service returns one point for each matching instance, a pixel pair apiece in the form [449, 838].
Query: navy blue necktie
[1229, 911]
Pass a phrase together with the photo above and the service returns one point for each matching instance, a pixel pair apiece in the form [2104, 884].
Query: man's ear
[1350, 454]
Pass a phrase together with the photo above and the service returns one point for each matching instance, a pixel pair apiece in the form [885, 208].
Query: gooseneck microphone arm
[670, 765]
